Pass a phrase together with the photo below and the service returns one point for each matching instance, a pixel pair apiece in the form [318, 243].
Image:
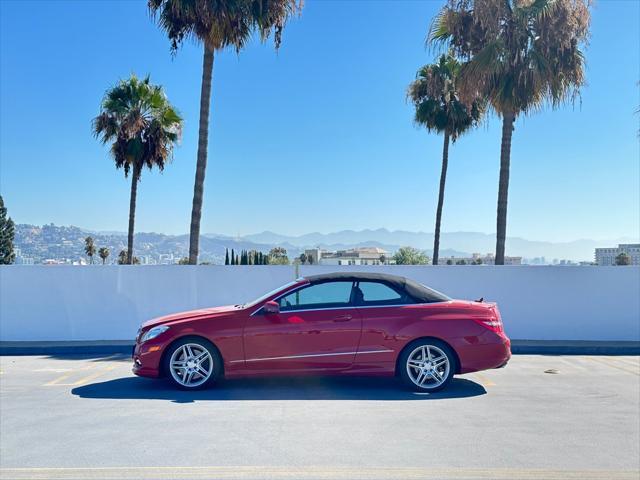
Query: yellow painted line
[628, 361]
[605, 361]
[484, 380]
[93, 376]
[616, 362]
[57, 381]
[55, 370]
[315, 473]
[573, 363]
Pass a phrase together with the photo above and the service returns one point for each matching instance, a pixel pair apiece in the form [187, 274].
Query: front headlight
[153, 333]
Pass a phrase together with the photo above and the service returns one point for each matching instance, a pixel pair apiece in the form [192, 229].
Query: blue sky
[315, 137]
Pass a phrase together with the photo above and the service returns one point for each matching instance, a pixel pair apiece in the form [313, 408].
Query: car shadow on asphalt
[288, 388]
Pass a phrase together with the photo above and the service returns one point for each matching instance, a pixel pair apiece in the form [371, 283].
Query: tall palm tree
[439, 109]
[217, 24]
[520, 54]
[143, 127]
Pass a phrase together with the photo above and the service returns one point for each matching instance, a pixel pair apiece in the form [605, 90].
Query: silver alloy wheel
[191, 365]
[428, 366]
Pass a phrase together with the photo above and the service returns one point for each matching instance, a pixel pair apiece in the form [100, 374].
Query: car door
[384, 310]
[317, 328]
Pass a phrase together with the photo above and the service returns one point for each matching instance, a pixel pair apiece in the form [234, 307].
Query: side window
[374, 293]
[321, 295]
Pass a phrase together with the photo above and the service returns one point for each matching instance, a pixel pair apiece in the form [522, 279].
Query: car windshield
[268, 294]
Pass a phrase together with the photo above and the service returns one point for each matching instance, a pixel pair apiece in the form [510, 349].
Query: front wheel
[427, 365]
[192, 363]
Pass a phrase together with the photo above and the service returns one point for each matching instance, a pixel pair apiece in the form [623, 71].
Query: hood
[191, 314]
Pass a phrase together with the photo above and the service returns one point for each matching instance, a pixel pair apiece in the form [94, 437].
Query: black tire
[431, 384]
[195, 344]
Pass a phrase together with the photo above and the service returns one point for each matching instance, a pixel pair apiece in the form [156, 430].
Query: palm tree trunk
[201, 164]
[443, 180]
[135, 176]
[503, 187]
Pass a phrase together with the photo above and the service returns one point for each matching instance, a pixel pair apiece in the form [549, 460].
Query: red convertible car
[339, 323]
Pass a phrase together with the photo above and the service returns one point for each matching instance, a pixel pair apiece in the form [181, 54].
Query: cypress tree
[7, 234]
[226, 256]
[233, 257]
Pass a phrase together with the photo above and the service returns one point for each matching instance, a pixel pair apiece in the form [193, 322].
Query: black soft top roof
[414, 289]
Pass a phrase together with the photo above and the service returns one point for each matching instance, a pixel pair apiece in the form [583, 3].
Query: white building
[607, 256]
[166, 259]
[354, 256]
[147, 260]
[22, 259]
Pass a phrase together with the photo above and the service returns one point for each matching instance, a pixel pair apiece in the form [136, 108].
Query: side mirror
[271, 308]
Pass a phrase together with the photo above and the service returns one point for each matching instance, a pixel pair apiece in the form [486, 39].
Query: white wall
[109, 302]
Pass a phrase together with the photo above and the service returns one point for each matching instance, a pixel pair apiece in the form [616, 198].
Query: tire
[195, 374]
[429, 373]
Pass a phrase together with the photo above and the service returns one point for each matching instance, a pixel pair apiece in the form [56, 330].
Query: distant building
[607, 256]
[166, 259]
[353, 256]
[55, 261]
[147, 260]
[478, 259]
[22, 259]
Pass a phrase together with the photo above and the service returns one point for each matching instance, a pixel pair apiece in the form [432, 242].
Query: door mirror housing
[271, 308]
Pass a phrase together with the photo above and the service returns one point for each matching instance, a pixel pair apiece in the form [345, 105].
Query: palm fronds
[222, 23]
[139, 122]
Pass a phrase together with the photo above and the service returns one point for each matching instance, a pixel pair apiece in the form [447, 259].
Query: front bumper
[147, 359]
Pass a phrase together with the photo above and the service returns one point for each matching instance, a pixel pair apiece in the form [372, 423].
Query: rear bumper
[492, 351]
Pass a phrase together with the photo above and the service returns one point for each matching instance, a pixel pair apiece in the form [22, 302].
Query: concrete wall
[109, 302]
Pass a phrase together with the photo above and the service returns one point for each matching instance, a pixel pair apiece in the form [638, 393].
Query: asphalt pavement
[541, 417]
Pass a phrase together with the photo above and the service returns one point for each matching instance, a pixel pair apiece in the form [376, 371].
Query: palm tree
[143, 128]
[104, 254]
[89, 248]
[439, 109]
[519, 55]
[217, 25]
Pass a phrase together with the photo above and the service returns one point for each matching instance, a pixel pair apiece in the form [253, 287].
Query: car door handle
[343, 318]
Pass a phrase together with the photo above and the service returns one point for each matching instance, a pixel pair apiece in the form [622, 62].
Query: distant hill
[459, 242]
[67, 243]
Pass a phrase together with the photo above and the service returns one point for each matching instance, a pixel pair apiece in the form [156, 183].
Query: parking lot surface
[541, 417]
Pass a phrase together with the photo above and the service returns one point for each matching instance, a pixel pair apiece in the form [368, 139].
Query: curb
[574, 347]
[518, 347]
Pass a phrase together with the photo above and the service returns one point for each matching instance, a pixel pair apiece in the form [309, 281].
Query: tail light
[493, 322]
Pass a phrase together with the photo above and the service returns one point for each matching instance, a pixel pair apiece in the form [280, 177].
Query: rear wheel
[192, 363]
[427, 365]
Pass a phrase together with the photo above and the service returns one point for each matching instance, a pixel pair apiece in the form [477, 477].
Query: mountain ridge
[213, 245]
